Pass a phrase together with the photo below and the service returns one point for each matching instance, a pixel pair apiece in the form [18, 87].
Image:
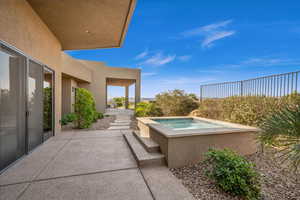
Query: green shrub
[84, 108]
[68, 118]
[119, 101]
[144, 109]
[99, 115]
[233, 173]
[176, 103]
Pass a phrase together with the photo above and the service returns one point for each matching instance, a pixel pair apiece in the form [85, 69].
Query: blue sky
[183, 44]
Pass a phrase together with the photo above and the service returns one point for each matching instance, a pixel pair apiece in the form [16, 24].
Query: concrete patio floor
[85, 165]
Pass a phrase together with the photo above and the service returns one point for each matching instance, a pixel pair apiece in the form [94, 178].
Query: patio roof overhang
[119, 82]
[86, 24]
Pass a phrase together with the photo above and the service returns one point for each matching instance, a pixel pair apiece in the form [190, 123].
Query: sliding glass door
[26, 105]
[12, 106]
[35, 104]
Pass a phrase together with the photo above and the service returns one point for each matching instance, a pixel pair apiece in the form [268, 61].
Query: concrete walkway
[87, 165]
[123, 118]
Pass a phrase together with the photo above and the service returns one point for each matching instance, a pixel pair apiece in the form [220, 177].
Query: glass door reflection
[48, 104]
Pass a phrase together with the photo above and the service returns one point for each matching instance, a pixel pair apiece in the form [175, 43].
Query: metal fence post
[201, 93]
[242, 88]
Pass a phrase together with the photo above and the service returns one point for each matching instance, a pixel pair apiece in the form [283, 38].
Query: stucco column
[126, 97]
[137, 91]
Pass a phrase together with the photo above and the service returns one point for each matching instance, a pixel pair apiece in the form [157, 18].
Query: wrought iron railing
[273, 86]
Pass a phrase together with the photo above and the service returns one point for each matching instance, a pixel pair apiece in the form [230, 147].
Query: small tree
[119, 101]
[84, 108]
[176, 103]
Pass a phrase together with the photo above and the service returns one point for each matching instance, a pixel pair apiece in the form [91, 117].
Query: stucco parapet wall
[169, 133]
[76, 69]
[113, 72]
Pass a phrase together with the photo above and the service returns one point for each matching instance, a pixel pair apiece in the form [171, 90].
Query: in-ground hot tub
[184, 140]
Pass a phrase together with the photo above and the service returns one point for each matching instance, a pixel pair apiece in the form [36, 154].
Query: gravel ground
[277, 182]
[101, 124]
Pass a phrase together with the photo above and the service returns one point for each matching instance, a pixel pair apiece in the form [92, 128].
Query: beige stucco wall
[74, 68]
[98, 84]
[190, 150]
[68, 95]
[22, 28]
[183, 151]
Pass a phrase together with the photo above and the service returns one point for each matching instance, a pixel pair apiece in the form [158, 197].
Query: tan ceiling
[119, 82]
[86, 24]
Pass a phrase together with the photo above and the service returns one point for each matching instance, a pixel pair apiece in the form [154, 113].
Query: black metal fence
[273, 86]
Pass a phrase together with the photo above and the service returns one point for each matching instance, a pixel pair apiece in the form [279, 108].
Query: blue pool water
[186, 123]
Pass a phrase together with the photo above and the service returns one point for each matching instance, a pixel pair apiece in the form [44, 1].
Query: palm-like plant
[282, 130]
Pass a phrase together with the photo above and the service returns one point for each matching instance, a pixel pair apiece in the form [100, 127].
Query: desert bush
[144, 109]
[233, 173]
[84, 108]
[247, 110]
[176, 103]
[209, 108]
[250, 110]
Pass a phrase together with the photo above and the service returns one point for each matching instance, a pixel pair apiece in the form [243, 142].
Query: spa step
[143, 157]
[150, 145]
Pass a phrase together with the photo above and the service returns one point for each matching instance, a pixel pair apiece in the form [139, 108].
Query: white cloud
[210, 33]
[184, 58]
[148, 73]
[260, 62]
[142, 55]
[208, 28]
[208, 41]
[158, 60]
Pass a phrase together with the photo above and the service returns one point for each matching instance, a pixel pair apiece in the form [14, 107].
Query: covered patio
[126, 83]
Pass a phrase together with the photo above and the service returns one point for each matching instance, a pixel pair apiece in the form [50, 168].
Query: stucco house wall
[98, 84]
[22, 28]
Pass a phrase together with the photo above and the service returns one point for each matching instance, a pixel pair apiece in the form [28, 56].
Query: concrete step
[164, 185]
[122, 121]
[143, 157]
[150, 145]
[118, 127]
[120, 124]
